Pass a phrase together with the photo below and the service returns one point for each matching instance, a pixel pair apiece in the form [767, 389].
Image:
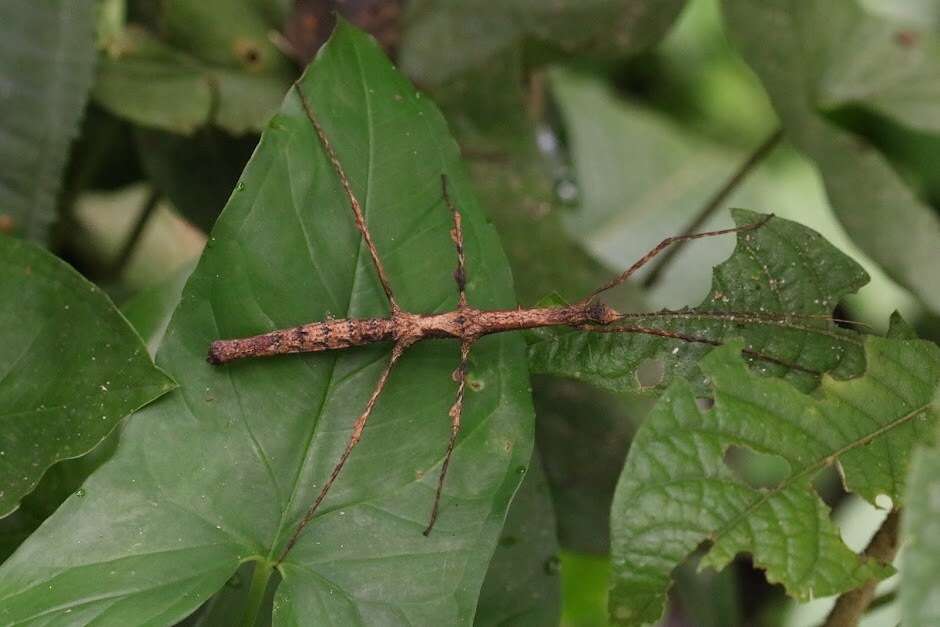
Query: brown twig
[851, 606]
[715, 201]
[403, 328]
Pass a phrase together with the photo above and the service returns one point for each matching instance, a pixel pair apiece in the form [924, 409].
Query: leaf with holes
[219, 473]
[777, 290]
[676, 490]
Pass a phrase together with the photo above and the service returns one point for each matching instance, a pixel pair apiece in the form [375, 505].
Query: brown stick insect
[465, 323]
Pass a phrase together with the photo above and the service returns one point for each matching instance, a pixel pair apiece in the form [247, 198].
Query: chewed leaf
[777, 291]
[676, 491]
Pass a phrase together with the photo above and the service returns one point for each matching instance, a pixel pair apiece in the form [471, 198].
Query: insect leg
[460, 376]
[353, 201]
[354, 438]
[664, 245]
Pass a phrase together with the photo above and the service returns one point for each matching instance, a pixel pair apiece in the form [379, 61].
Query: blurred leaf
[784, 43]
[585, 579]
[778, 269]
[310, 22]
[47, 60]
[920, 565]
[487, 109]
[213, 63]
[676, 491]
[522, 586]
[582, 434]
[72, 367]
[219, 473]
[197, 173]
[445, 38]
[874, 62]
[107, 220]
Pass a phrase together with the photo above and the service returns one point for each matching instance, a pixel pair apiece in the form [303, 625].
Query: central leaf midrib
[815, 467]
[328, 389]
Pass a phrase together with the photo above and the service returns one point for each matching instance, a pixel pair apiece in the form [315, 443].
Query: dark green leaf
[523, 586]
[196, 173]
[583, 434]
[778, 269]
[71, 367]
[785, 42]
[219, 473]
[47, 59]
[676, 490]
[444, 39]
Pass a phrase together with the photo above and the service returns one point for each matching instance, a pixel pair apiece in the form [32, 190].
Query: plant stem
[851, 605]
[127, 250]
[259, 585]
[714, 203]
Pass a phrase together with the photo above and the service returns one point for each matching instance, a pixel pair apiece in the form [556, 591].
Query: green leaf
[785, 42]
[71, 367]
[445, 39]
[219, 473]
[676, 490]
[196, 173]
[213, 63]
[778, 269]
[46, 65]
[920, 529]
[523, 586]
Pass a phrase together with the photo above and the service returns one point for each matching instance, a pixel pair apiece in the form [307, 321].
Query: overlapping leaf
[71, 367]
[781, 268]
[47, 58]
[217, 474]
[797, 48]
[200, 70]
[920, 566]
[445, 39]
[676, 491]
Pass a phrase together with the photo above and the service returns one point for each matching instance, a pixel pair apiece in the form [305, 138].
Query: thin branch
[714, 203]
[851, 606]
[130, 244]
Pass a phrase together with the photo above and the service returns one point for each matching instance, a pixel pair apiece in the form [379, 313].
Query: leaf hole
[761, 471]
[650, 372]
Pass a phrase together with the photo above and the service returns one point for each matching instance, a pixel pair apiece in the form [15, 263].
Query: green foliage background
[576, 135]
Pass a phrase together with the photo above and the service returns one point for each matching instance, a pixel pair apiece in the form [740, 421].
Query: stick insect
[466, 324]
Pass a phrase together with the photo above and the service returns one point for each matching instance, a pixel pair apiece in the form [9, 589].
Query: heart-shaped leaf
[219, 473]
[71, 367]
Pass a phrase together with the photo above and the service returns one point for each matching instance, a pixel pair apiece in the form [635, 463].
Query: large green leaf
[47, 55]
[676, 490]
[213, 62]
[778, 269]
[920, 564]
[789, 44]
[219, 473]
[523, 586]
[70, 369]
[446, 38]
